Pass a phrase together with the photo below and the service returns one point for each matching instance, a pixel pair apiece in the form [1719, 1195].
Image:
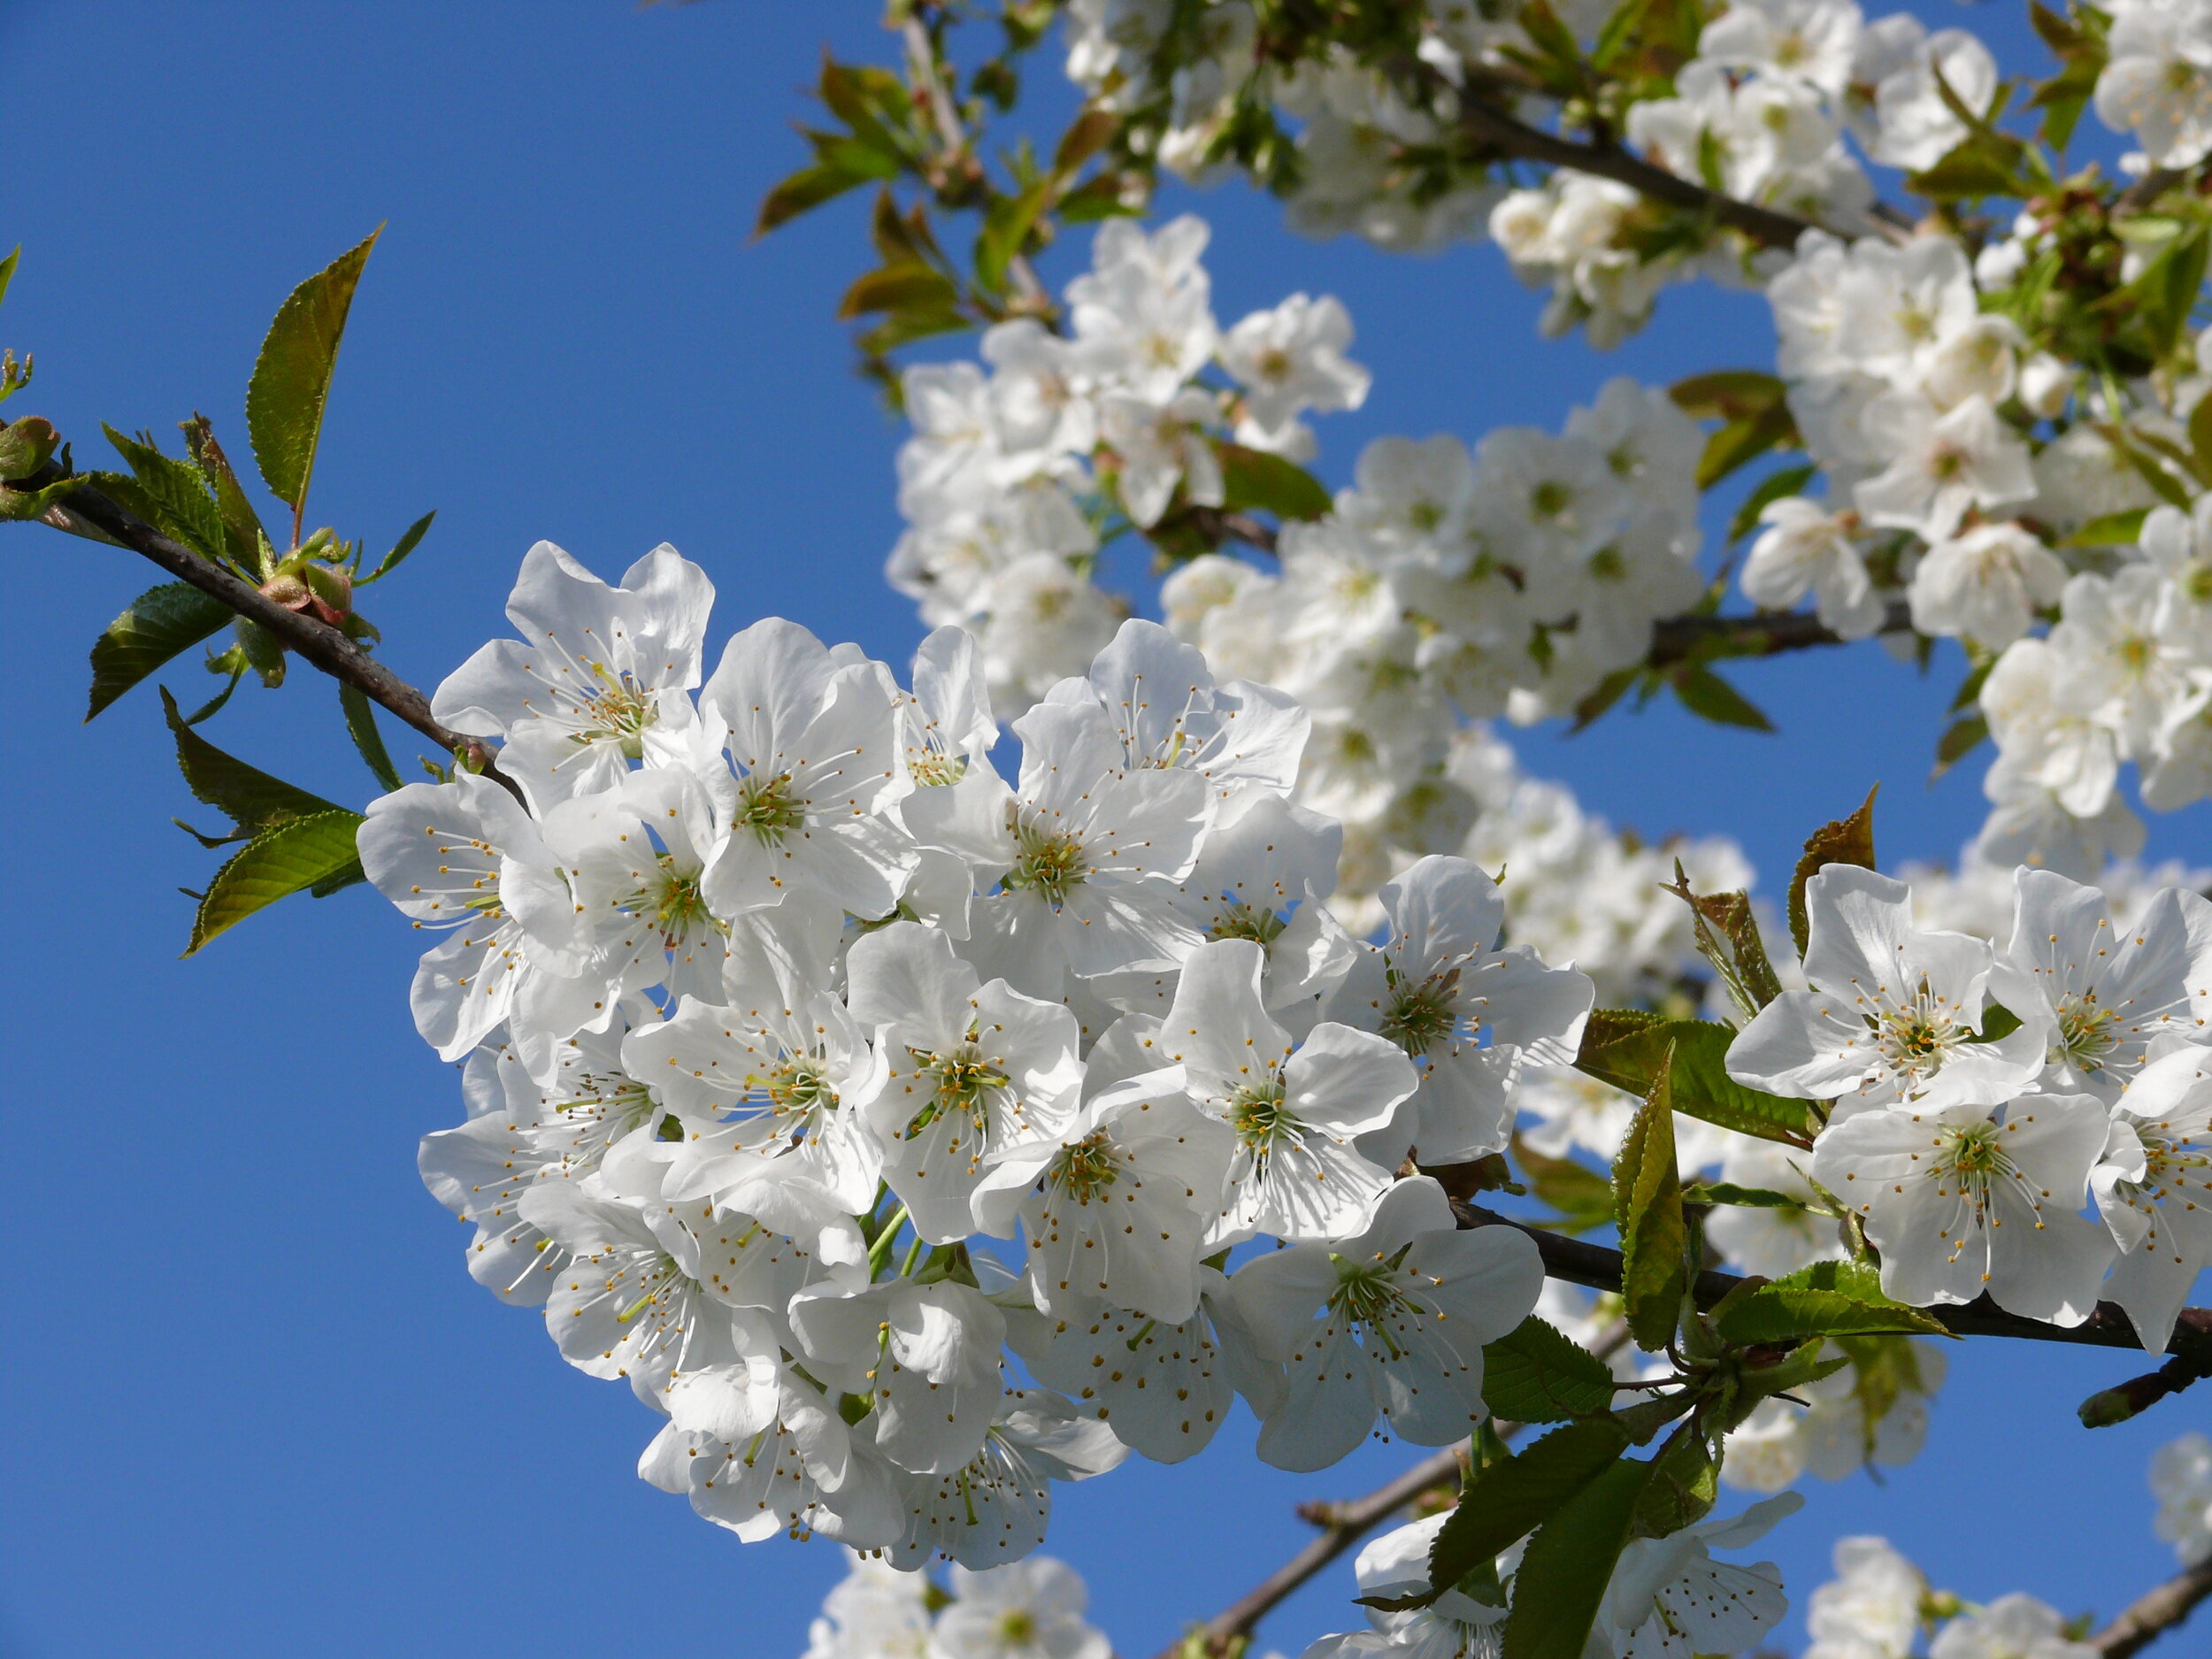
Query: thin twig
[2151, 1615]
[309, 638]
[1682, 639]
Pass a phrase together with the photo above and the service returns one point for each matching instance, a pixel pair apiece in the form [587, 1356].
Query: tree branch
[1580, 1263]
[2151, 1616]
[1494, 129]
[1343, 1526]
[312, 639]
[1683, 638]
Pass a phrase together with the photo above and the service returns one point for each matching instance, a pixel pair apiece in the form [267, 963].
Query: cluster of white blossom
[1024, 1610]
[1975, 1086]
[1444, 587]
[779, 1004]
[1012, 480]
[1760, 114]
[1975, 482]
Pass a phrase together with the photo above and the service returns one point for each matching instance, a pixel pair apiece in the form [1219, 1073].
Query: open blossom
[2181, 1479]
[1391, 1322]
[1986, 583]
[2157, 82]
[1894, 1014]
[2014, 1626]
[1962, 1202]
[1669, 1596]
[1805, 549]
[2152, 1192]
[1870, 1609]
[1026, 1610]
[1467, 1015]
[600, 678]
[464, 856]
[1294, 1109]
[1291, 359]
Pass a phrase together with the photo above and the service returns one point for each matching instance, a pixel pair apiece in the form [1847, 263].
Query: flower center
[1425, 516]
[797, 1088]
[1258, 1116]
[770, 807]
[1419, 1016]
[1016, 1627]
[1049, 864]
[1086, 1170]
[1274, 364]
[964, 1085]
[616, 710]
[672, 903]
[1550, 499]
[1246, 921]
[933, 767]
[1918, 1038]
[2086, 1034]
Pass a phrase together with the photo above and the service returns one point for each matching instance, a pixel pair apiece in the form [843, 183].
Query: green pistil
[677, 907]
[1086, 1170]
[1607, 565]
[934, 768]
[616, 710]
[2086, 1034]
[1419, 1016]
[1050, 866]
[1246, 921]
[964, 1084]
[1550, 499]
[766, 807]
[796, 1088]
[1258, 1116]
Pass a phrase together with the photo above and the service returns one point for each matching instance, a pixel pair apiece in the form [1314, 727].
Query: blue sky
[253, 1405]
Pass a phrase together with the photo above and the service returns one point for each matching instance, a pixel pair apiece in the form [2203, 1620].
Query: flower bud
[286, 590]
[26, 445]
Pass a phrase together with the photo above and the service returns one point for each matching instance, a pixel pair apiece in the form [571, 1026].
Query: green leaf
[1728, 394]
[1627, 1047]
[291, 377]
[1253, 478]
[1826, 1299]
[251, 797]
[1845, 841]
[1729, 1193]
[911, 326]
[1706, 695]
[1960, 738]
[2124, 529]
[1744, 440]
[1583, 1197]
[1727, 930]
[909, 286]
[7, 269]
[1512, 1498]
[1107, 196]
[1563, 1577]
[1006, 228]
[1535, 1373]
[405, 545]
[158, 624]
[806, 189]
[1684, 1483]
[1654, 1237]
[1788, 480]
[1088, 134]
[169, 493]
[361, 727]
[1976, 167]
[316, 853]
[242, 533]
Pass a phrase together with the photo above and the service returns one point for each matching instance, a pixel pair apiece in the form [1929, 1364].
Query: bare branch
[2151, 1616]
[1343, 1525]
[312, 639]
